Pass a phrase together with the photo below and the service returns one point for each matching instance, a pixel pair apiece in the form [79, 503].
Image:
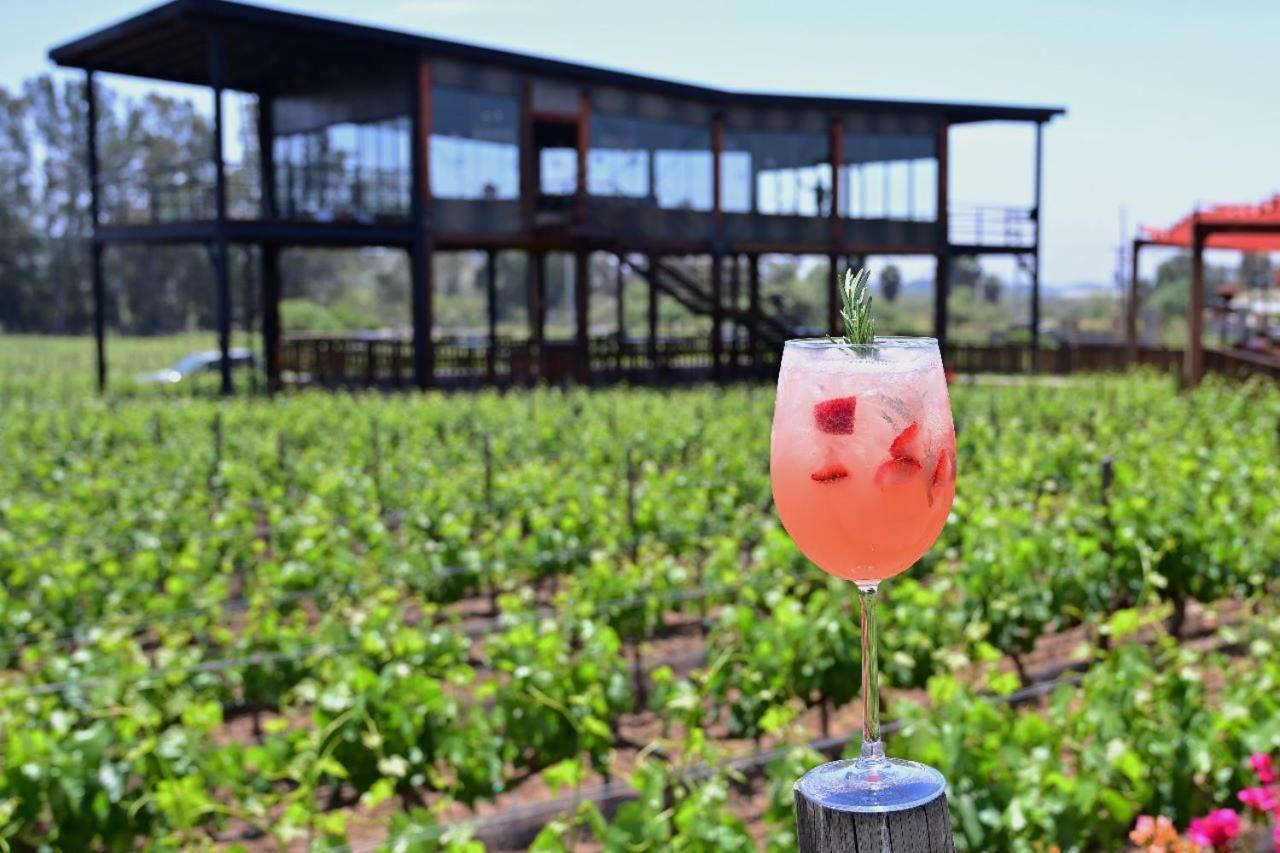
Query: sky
[1170, 103]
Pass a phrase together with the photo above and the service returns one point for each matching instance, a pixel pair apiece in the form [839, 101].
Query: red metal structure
[1243, 227]
[463, 148]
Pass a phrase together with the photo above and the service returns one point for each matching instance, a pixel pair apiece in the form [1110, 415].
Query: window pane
[475, 150]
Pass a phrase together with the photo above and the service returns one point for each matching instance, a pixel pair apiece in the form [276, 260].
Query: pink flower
[1215, 829]
[1153, 834]
[1143, 830]
[1262, 766]
[1262, 799]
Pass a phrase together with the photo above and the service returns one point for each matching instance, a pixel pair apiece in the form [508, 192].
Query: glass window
[889, 176]
[475, 145]
[344, 171]
[786, 173]
[558, 171]
[666, 162]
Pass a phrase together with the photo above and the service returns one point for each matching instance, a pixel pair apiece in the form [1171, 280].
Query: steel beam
[221, 261]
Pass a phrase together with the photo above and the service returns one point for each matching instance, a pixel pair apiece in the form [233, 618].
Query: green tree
[991, 288]
[890, 282]
[966, 272]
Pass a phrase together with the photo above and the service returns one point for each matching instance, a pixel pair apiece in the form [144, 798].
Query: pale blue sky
[1170, 102]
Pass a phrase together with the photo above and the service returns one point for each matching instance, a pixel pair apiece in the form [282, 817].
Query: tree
[966, 272]
[1256, 270]
[890, 282]
[991, 287]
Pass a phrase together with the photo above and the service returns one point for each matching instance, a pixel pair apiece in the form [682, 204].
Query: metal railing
[319, 192]
[388, 362]
[991, 225]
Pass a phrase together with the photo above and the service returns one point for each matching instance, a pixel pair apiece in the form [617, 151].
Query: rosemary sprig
[855, 311]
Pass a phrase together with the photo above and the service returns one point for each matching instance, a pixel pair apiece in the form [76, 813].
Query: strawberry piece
[897, 471]
[829, 474]
[945, 470]
[835, 416]
[907, 444]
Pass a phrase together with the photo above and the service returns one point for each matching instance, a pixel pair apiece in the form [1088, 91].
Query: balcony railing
[316, 192]
[992, 226]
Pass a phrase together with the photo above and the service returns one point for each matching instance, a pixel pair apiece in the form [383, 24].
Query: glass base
[882, 785]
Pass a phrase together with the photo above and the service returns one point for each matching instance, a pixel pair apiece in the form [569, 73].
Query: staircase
[680, 285]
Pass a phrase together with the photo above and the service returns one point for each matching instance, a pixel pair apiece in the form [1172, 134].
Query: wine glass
[863, 465]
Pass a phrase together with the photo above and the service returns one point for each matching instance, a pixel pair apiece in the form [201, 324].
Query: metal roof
[269, 50]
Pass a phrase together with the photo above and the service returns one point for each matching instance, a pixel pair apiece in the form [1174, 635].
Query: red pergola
[1243, 227]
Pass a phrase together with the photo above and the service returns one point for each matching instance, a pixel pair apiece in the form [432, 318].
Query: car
[209, 361]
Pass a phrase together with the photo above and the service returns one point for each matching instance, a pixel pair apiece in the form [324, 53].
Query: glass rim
[880, 340]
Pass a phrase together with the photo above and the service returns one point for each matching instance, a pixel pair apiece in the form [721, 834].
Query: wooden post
[923, 829]
[1135, 304]
[1194, 365]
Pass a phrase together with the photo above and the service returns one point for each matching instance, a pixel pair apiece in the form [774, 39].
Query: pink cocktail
[863, 465]
[863, 454]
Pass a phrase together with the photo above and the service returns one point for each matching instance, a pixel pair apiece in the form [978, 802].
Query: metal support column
[221, 261]
[621, 316]
[269, 257]
[1195, 307]
[942, 273]
[538, 311]
[1134, 305]
[1035, 260]
[717, 316]
[753, 311]
[491, 301]
[422, 287]
[269, 253]
[833, 294]
[582, 312]
[735, 314]
[653, 314]
[95, 248]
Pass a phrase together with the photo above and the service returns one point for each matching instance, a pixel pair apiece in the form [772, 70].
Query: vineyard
[567, 618]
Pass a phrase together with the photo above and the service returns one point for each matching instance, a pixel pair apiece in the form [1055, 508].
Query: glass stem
[872, 748]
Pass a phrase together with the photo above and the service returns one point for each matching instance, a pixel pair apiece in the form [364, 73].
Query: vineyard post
[631, 499]
[376, 471]
[488, 471]
[923, 829]
[280, 451]
[217, 448]
[1108, 477]
[157, 429]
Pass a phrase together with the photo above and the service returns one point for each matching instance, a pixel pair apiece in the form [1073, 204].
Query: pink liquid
[857, 505]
